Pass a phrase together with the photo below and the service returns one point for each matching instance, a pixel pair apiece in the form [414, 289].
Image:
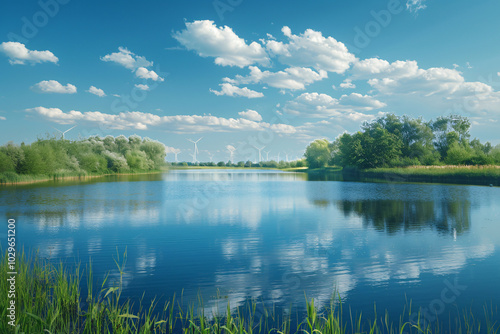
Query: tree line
[241, 164]
[399, 141]
[51, 156]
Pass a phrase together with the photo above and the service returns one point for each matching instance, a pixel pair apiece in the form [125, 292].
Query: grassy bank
[479, 175]
[10, 178]
[49, 299]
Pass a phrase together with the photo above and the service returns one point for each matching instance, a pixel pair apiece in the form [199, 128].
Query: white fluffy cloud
[293, 78]
[437, 85]
[96, 91]
[53, 86]
[311, 49]
[143, 121]
[251, 115]
[228, 49]
[231, 90]
[19, 54]
[127, 59]
[2, 118]
[347, 84]
[144, 73]
[415, 5]
[322, 105]
[141, 86]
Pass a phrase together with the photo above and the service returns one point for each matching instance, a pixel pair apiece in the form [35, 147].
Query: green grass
[329, 169]
[49, 300]
[481, 175]
[11, 178]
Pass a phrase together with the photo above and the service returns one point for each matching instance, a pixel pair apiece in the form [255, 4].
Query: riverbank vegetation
[399, 141]
[59, 158]
[50, 299]
[242, 164]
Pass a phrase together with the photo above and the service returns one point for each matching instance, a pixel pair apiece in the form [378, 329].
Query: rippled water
[272, 236]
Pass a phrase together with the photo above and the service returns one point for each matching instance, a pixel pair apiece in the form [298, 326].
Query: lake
[273, 237]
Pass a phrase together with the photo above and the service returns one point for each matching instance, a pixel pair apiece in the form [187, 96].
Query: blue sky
[243, 73]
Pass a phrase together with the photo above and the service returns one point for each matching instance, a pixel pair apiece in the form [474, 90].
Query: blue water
[273, 237]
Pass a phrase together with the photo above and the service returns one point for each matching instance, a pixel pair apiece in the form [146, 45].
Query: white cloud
[169, 149]
[3, 118]
[323, 105]
[127, 59]
[311, 49]
[292, 78]
[415, 5]
[231, 90]
[144, 73]
[251, 115]
[439, 86]
[19, 54]
[177, 124]
[229, 49]
[96, 91]
[142, 87]
[53, 86]
[347, 84]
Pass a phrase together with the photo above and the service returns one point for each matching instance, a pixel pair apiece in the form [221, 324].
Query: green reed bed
[481, 175]
[10, 178]
[49, 299]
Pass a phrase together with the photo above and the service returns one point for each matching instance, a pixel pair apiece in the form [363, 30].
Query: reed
[49, 299]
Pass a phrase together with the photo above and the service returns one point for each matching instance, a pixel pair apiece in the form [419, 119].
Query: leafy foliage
[53, 156]
[399, 141]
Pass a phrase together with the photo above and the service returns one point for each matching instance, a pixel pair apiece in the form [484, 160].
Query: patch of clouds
[141, 86]
[96, 91]
[415, 5]
[127, 59]
[221, 43]
[347, 84]
[231, 90]
[53, 86]
[144, 73]
[311, 49]
[293, 78]
[177, 124]
[350, 106]
[20, 55]
[400, 79]
[251, 115]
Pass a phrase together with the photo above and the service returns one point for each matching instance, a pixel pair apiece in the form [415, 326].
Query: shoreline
[461, 175]
[73, 177]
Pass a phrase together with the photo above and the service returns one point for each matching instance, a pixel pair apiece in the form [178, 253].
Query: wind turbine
[62, 133]
[286, 155]
[278, 156]
[195, 149]
[194, 157]
[267, 155]
[231, 150]
[260, 152]
[211, 156]
[175, 152]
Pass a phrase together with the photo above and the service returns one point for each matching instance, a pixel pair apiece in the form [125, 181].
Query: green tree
[6, 164]
[318, 153]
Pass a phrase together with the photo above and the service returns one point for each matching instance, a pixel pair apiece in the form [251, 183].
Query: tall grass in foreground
[49, 300]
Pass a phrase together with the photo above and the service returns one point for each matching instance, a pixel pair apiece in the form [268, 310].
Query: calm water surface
[272, 236]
